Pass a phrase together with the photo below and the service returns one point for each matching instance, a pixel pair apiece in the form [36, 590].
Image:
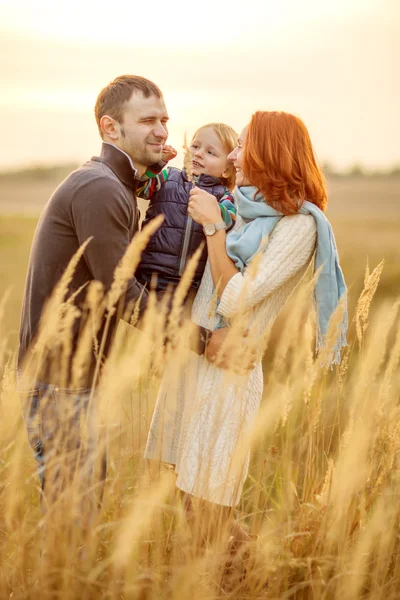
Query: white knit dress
[201, 418]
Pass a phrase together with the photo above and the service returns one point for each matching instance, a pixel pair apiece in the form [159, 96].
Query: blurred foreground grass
[321, 500]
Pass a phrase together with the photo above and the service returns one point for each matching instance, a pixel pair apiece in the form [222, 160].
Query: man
[96, 202]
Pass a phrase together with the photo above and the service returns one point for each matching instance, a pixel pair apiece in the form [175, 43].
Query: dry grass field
[323, 495]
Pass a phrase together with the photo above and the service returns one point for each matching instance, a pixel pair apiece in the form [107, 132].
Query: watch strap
[220, 225]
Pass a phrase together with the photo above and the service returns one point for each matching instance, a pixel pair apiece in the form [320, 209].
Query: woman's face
[236, 158]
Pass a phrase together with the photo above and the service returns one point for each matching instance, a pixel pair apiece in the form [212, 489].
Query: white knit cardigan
[200, 423]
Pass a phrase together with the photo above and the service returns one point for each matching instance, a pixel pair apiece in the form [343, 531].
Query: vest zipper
[185, 248]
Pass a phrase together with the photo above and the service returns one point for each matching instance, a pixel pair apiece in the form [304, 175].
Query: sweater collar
[120, 163]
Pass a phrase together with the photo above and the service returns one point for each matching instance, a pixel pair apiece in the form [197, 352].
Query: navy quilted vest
[179, 236]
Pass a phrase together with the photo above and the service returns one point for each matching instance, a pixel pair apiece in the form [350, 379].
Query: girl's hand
[203, 207]
[168, 153]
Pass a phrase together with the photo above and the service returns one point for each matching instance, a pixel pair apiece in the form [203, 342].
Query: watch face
[209, 229]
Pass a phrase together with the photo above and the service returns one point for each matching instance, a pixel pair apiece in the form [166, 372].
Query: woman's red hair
[278, 159]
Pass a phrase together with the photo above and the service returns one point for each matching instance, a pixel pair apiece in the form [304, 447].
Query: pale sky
[334, 63]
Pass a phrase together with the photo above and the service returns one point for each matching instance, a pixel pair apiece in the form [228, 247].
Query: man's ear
[110, 127]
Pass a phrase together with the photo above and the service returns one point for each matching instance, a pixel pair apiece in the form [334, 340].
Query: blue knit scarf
[261, 219]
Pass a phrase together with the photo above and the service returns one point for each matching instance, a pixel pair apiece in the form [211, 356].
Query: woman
[280, 197]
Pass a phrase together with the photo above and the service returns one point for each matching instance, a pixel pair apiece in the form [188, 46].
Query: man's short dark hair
[113, 97]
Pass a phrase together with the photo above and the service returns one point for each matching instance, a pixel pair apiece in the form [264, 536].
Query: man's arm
[101, 211]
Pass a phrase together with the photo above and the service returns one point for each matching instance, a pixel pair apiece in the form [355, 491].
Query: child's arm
[155, 175]
[228, 210]
[151, 182]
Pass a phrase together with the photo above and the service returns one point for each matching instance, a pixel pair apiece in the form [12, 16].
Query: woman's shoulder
[294, 236]
[297, 224]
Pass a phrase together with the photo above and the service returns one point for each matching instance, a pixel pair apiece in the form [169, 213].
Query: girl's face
[236, 158]
[208, 154]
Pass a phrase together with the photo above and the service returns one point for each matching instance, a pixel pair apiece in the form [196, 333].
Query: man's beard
[145, 156]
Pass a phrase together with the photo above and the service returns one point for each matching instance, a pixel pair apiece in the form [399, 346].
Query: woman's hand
[203, 207]
[239, 356]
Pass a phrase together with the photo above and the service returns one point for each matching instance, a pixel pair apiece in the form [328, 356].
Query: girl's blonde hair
[228, 137]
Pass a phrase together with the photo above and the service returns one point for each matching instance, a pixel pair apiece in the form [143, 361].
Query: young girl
[179, 236]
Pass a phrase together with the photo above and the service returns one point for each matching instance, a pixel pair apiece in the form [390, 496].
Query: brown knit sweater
[97, 200]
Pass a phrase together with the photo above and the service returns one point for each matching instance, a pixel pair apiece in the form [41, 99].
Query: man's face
[143, 132]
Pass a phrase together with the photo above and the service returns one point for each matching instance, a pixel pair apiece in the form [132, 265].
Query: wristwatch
[211, 228]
